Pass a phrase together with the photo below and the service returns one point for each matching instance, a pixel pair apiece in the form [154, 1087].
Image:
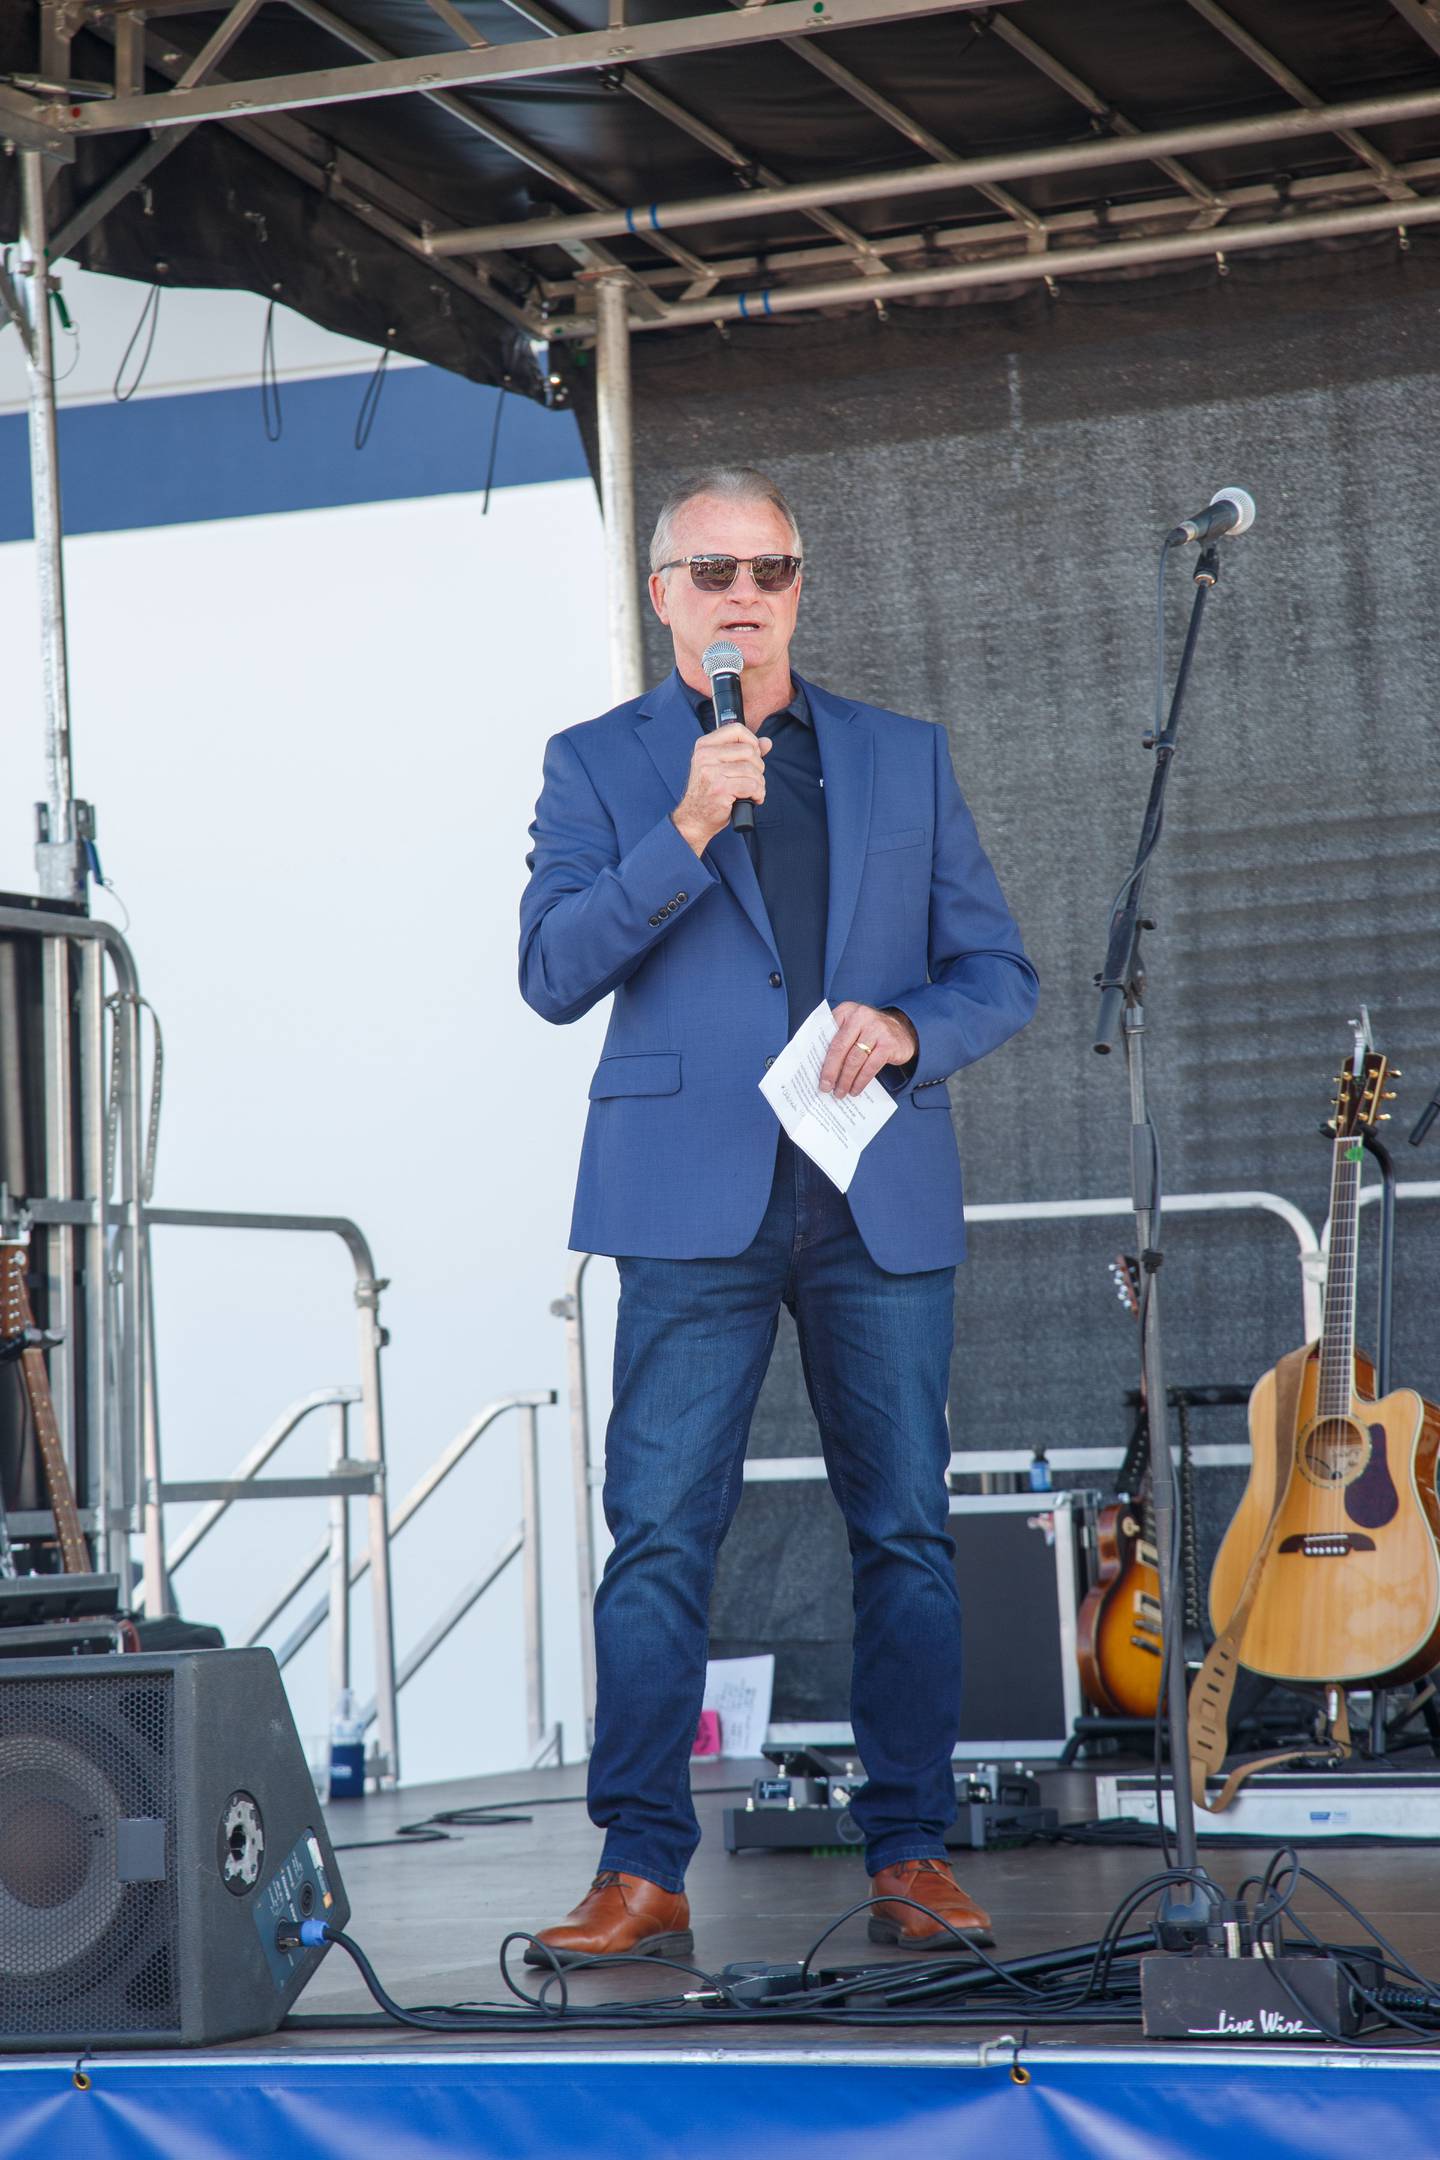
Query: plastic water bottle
[347, 1750]
[1039, 1472]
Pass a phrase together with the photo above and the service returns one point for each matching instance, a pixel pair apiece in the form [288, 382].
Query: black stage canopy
[451, 177]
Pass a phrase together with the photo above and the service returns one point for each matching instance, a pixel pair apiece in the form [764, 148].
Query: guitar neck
[15, 1318]
[1337, 1338]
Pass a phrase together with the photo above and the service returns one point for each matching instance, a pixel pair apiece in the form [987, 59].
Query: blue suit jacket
[679, 1149]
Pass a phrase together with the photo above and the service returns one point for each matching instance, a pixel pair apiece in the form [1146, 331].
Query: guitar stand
[1422, 1704]
[1141, 1730]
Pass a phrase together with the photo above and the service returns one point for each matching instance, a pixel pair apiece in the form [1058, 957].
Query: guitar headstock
[1360, 1085]
[12, 1290]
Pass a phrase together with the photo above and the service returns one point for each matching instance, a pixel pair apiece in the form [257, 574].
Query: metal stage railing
[523, 1542]
[346, 1475]
[93, 1250]
[1083, 1460]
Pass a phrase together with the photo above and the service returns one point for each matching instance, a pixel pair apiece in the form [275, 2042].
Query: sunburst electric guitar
[1117, 1630]
[1340, 1507]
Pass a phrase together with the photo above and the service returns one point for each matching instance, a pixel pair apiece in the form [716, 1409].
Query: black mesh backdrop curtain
[982, 492]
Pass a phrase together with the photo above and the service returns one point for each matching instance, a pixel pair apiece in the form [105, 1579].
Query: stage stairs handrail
[524, 1541]
[364, 1475]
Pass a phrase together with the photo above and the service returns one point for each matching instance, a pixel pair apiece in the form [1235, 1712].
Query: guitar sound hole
[1336, 1450]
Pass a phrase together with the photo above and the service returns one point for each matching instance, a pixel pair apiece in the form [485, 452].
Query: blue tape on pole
[630, 220]
[655, 216]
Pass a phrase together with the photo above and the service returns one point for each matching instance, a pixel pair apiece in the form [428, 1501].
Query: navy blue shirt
[792, 849]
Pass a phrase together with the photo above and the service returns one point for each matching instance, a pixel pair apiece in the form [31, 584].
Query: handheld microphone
[1232, 511]
[723, 662]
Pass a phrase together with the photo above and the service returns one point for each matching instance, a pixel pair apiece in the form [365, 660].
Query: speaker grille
[79, 1949]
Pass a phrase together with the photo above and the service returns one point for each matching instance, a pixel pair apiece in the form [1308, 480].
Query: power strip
[1208, 1996]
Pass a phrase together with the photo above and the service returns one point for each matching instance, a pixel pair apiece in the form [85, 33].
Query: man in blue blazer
[863, 883]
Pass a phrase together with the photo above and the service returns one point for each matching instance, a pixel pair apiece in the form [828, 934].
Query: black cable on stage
[1087, 1984]
[1051, 1988]
[484, 1815]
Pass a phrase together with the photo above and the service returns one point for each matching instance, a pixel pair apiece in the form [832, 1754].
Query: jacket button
[768, 1063]
[774, 982]
[654, 922]
[681, 898]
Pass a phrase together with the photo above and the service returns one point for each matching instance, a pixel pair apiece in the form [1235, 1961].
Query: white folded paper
[740, 1689]
[834, 1130]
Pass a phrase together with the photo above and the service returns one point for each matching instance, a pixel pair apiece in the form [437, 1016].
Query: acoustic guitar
[20, 1338]
[1117, 1629]
[1340, 1508]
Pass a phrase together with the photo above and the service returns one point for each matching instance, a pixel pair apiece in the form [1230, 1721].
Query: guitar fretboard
[15, 1318]
[1337, 1340]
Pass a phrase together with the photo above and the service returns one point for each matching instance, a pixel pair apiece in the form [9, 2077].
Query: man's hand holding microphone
[727, 766]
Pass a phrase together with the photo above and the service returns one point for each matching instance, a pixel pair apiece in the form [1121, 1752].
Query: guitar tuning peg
[1384, 1118]
[1388, 1096]
[1395, 1073]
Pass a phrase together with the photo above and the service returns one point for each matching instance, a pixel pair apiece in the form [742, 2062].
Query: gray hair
[734, 483]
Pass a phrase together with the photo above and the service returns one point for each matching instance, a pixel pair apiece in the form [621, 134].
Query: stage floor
[432, 1916]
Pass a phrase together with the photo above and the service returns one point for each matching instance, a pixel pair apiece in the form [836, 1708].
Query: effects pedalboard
[805, 1806]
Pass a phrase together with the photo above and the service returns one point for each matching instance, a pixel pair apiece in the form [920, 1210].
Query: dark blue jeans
[692, 1343]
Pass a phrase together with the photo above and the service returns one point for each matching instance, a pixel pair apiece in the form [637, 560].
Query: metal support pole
[617, 483]
[571, 1308]
[102, 1478]
[534, 1618]
[59, 1238]
[140, 1375]
[58, 855]
[339, 1562]
[372, 1336]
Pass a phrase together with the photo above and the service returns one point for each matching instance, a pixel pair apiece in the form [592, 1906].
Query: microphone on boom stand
[723, 662]
[1231, 511]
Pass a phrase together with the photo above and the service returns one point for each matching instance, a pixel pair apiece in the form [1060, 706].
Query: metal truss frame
[474, 67]
[283, 116]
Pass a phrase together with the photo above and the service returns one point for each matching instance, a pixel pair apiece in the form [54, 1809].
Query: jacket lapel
[666, 726]
[847, 759]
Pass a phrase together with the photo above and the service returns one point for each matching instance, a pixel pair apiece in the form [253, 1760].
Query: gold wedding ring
[866, 1047]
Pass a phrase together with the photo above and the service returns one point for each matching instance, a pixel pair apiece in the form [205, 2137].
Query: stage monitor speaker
[157, 1822]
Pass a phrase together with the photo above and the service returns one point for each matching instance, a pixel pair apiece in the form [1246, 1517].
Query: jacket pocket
[911, 837]
[931, 1095]
[656, 1073]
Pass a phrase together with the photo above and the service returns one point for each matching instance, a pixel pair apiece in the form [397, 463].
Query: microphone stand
[1185, 1907]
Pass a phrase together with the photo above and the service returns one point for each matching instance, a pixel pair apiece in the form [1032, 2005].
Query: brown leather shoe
[931, 1884]
[619, 1916]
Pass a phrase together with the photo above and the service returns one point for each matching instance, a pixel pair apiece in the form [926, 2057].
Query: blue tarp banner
[433, 2107]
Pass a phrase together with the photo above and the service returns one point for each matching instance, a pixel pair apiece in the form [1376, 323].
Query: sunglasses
[717, 573]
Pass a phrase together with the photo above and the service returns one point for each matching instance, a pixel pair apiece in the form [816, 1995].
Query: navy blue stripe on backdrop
[175, 460]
